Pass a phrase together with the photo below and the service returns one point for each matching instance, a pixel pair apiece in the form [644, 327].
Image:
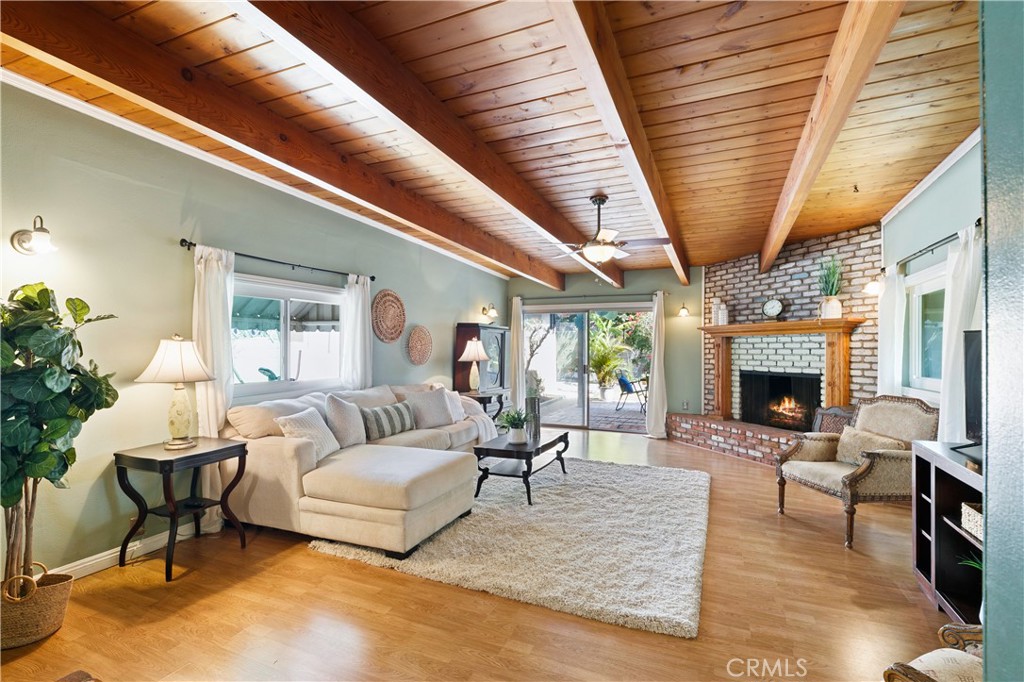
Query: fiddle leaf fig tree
[46, 394]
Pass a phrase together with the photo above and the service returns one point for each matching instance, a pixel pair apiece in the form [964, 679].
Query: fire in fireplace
[785, 401]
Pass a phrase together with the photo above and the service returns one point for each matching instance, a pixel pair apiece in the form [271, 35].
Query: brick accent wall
[747, 441]
[793, 279]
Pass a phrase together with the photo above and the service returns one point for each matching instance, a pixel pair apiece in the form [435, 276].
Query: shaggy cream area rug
[617, 543]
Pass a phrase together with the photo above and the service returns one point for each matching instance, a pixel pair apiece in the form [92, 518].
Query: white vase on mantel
[517, 436]
[830, 308]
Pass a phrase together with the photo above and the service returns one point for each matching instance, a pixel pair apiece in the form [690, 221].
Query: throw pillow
[368, 397]
[455, 406]
[345, 422]
[309, 424]
[854, 441]
[387, 420]
[256, 421]
[430, 409]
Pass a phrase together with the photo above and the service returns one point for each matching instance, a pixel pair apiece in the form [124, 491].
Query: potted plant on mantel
[830, 283]
[47, 393]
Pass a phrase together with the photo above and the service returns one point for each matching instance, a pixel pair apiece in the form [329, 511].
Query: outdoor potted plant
[830, 283]
[47, 393]
[515, 421]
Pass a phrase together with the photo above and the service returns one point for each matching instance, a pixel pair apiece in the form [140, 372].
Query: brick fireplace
[841, 354]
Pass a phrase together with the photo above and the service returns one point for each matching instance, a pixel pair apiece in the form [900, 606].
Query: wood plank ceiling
[483, 127]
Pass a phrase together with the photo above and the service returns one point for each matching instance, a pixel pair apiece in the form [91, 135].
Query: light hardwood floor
[776, 589]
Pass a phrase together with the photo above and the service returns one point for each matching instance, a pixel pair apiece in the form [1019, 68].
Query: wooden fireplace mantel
[837, 355]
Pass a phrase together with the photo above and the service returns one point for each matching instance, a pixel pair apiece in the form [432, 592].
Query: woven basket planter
[38, 614]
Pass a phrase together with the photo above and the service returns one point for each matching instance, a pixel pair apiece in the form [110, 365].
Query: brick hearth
[749, 441]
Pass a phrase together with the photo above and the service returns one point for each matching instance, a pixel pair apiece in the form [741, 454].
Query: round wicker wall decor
[420, 345]
[388, 316]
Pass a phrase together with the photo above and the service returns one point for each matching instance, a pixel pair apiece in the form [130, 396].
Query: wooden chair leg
[782, 495]
[850, 511]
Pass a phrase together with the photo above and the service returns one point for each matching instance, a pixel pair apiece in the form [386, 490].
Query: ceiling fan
[603, 246]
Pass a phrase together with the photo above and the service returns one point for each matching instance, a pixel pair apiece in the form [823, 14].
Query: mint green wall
[116, 205]
[947, 206]
[682, 340]
[1002, 59]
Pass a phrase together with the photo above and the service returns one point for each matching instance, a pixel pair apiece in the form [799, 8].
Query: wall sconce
[490, 312]
[876, 286]
[683, 311]
[36, 240]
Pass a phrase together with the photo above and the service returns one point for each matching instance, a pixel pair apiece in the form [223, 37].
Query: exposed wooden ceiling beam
[79, 40]
[589, 37]
[863, 32]
[327, 38]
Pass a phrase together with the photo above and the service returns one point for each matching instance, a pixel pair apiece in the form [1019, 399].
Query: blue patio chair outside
[628, 388]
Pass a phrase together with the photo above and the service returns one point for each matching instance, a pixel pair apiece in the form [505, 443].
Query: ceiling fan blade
[654, 241]
[606, 235]
[568, 253]
[619, 253]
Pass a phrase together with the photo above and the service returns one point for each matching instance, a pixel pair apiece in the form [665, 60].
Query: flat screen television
[973, 380]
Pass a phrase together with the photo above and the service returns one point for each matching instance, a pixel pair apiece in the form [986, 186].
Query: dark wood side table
[165, 462]
[487, 399]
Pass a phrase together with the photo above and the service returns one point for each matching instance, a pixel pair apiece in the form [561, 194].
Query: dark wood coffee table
[519, 457]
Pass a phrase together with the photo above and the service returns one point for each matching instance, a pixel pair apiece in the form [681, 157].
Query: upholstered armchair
[868, 462]
[959, 660]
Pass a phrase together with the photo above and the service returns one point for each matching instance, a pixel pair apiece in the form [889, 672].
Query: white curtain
[892, 310]
[657, 402]
[356, 340]
[963, 281]
[211, 331]
[516, 364]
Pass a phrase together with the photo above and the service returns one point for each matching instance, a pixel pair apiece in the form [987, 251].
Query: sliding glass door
[555, 345]
[589, 366]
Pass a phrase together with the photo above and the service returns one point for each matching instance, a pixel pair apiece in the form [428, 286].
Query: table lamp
[177, 361]
[474, 353]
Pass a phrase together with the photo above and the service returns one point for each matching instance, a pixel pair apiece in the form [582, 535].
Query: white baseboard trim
[108, 559]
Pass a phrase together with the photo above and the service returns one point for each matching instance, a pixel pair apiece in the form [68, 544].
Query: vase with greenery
[47, 393]
[830, 284]
[515, 421]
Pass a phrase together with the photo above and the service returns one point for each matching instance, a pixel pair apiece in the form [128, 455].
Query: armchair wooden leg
[782, 495]
[850, 511]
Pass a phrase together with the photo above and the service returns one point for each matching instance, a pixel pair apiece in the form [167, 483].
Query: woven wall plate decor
[388, 316]
[420, 345]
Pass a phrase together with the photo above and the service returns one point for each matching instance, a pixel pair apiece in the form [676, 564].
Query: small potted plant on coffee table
[515, 421]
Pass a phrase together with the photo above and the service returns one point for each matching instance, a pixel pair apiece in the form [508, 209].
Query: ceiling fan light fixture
[598, 253]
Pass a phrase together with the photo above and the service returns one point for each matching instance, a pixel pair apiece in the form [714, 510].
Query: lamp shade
[474, 352]
[176, 361]
[598, 253]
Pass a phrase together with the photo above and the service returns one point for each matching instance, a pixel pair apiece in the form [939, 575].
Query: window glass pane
[313, 340]
[256, 339]
[931, 334]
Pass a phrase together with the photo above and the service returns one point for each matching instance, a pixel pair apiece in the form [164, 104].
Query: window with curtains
[926, 297]
[284, 331]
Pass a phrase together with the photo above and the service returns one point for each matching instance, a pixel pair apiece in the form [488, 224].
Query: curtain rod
[187, 245]
[931, 247]
[636, 297]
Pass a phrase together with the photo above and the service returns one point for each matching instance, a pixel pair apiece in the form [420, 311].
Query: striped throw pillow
[387, 420]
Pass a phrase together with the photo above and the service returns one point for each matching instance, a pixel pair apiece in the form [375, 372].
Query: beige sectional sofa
[390, 493]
